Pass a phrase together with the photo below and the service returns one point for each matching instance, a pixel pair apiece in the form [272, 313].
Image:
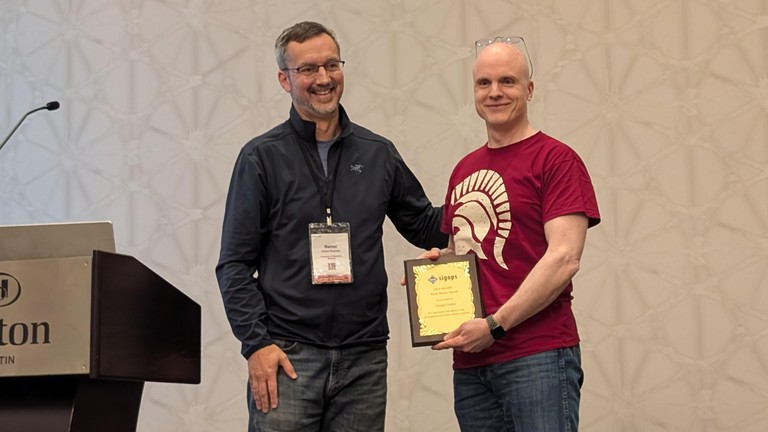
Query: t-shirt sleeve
[568, 189]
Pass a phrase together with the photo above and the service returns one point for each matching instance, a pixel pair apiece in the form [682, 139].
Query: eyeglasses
[308, 70]
[510, 40]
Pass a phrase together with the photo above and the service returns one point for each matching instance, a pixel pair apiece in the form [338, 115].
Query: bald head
[500, 52]
[503, 87]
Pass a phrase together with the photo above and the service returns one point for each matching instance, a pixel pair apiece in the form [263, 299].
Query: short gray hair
[300, 32]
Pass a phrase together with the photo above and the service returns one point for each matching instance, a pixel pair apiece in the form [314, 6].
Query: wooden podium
[80, 334]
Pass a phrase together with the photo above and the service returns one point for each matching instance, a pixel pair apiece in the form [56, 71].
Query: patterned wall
[666, 100]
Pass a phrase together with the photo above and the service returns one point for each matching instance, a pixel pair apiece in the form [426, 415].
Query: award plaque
[442, 294]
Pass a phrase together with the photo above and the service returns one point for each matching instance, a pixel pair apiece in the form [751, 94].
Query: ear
[285, 82]
[530, 90]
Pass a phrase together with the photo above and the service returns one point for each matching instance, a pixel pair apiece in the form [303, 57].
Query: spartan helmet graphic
[481, 204]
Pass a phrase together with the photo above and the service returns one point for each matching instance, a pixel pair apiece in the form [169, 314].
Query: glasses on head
[308, 70]
[510, 40]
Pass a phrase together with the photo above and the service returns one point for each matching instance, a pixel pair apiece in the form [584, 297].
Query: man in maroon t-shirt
[522, 204]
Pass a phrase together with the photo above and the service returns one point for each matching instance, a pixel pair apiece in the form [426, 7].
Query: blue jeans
[337, 390]
[538, 393]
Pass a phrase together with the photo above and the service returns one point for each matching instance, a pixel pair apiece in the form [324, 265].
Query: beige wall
[666, 101]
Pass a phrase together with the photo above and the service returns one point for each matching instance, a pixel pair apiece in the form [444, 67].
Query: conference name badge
[330, 253]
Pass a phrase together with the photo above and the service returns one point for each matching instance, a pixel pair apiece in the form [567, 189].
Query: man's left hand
[471, 336]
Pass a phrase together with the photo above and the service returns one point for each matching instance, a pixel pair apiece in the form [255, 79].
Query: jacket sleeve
[411, 212]
[242, 240]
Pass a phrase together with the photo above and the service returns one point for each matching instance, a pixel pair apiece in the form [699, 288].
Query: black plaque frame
[417, 339]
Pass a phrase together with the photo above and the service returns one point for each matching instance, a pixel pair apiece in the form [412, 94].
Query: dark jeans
[538, 393]
[337, 390]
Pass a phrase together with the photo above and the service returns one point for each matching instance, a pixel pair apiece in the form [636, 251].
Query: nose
[322, 74]
[494, 90]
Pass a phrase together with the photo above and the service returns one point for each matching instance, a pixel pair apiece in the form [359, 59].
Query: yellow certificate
[442, 294]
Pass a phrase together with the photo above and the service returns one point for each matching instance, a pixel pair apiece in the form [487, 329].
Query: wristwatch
[497, 331]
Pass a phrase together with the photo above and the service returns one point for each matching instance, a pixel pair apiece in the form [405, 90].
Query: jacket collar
[306, 129]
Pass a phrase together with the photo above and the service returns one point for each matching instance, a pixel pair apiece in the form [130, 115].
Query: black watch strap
[497, 331]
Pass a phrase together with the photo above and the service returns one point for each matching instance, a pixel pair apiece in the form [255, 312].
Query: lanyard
[320, 181]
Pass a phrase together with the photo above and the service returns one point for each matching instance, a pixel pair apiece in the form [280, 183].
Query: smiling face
[315, 97]
[502, 86]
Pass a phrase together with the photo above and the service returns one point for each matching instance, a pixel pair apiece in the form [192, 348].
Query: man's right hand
[263, 367]
[432, 254]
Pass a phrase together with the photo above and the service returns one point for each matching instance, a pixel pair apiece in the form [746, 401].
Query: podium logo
[10, 289]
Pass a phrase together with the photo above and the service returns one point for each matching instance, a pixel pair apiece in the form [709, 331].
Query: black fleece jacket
[264, 264]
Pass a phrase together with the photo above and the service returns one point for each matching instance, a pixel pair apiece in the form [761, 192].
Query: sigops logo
[10, 289]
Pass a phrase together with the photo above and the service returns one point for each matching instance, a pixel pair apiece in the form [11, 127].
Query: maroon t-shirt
[497, 203]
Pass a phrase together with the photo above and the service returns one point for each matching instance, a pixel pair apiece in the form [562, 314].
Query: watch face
[497, 331]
